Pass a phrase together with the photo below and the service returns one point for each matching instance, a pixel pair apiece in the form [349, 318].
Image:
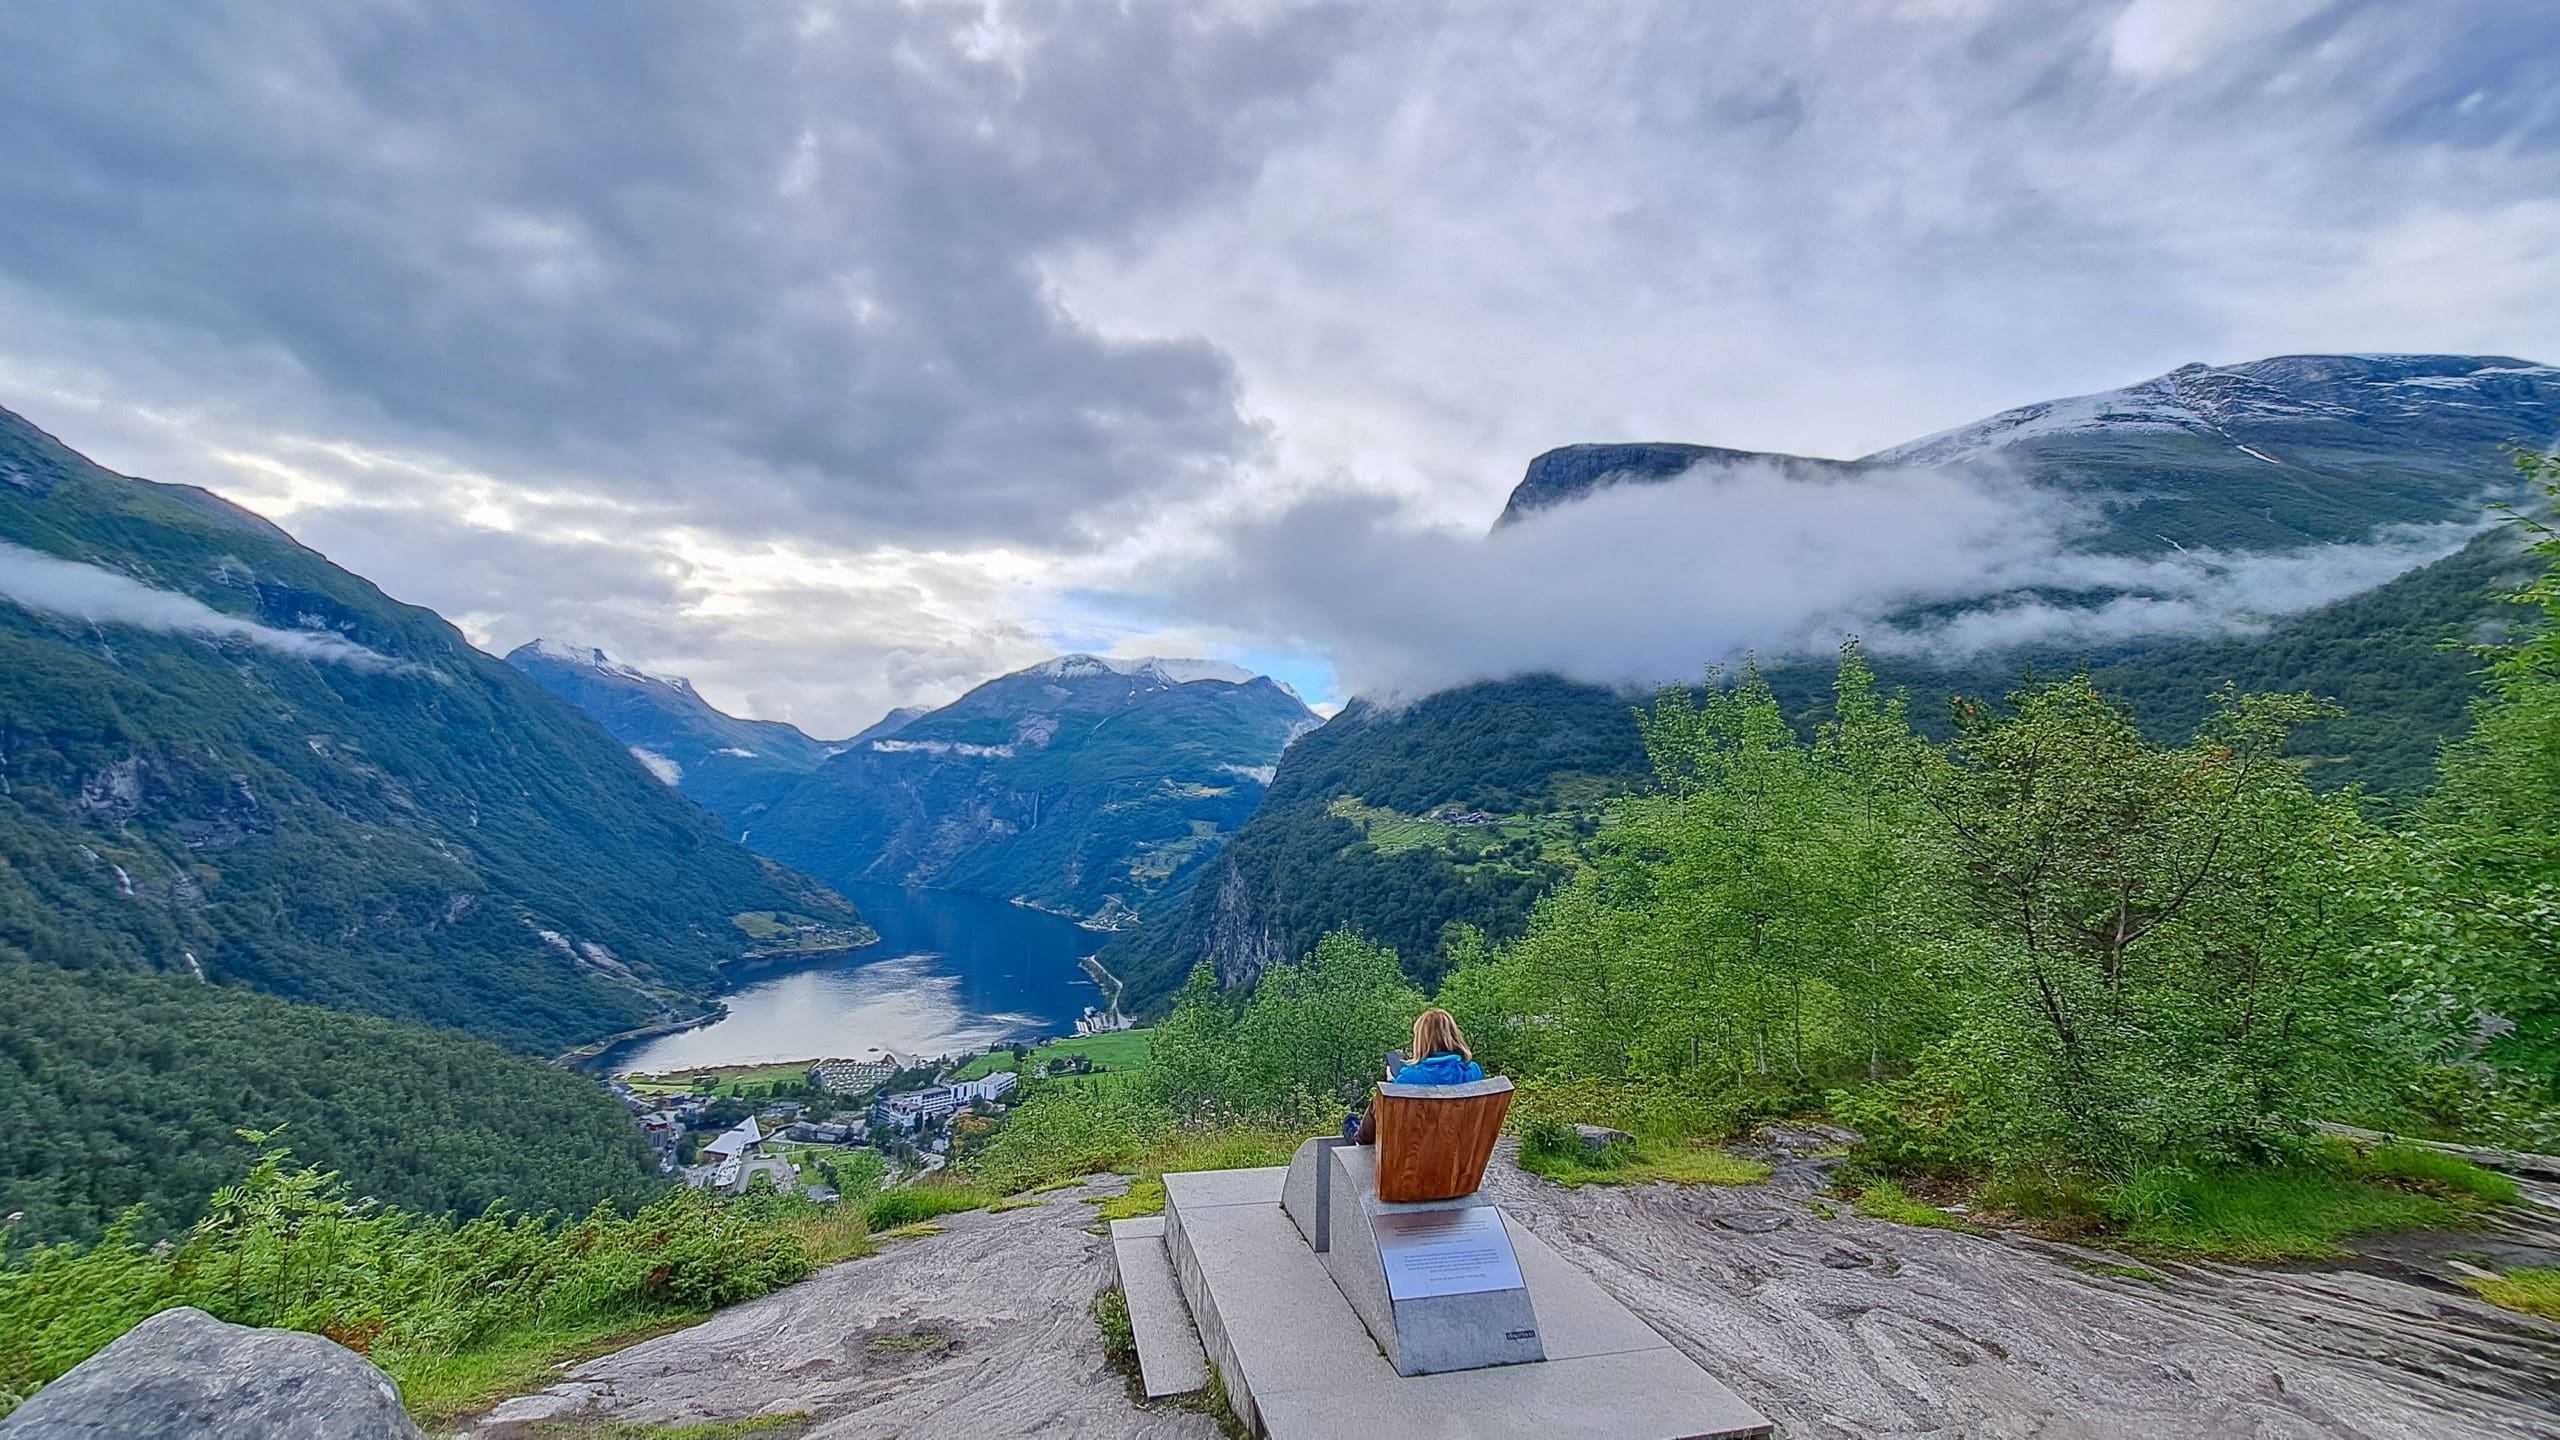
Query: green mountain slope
[221, 754]
[1090, 787]
[2272, 457]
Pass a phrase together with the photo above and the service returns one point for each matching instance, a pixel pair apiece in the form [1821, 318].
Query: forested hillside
[222, 755]
[1528, 748]
[122, 1089]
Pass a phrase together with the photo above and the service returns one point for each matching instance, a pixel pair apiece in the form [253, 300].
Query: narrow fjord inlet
[951, 973]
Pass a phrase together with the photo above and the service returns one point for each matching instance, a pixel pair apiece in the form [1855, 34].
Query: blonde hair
[1435, 1031]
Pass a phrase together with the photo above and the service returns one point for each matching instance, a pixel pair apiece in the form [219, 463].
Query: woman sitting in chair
[1441, 1058]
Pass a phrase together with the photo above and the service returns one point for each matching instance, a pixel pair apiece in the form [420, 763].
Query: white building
[735, 1145]
[989, 1087]
[906, 1112]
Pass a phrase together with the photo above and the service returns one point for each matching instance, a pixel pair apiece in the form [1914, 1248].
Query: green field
[744, 1082]
[780, 932]
[1553, 838]
[1124, 1053]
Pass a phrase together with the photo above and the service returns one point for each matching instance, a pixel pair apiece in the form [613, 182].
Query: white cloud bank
[1643, 584]
[38, 581]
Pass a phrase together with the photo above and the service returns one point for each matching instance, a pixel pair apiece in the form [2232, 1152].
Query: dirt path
[1833, 1327]
[980, 1333]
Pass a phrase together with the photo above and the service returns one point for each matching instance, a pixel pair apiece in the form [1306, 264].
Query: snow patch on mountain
[1145, 667]
[587, 657]
[2204, 399]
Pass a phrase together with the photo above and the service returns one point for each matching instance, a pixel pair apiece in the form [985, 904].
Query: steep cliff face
[1239, 943]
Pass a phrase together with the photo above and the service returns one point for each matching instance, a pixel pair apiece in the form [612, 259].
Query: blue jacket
[1446, 1068]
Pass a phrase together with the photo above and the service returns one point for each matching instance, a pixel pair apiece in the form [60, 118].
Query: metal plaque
[1446, 1252]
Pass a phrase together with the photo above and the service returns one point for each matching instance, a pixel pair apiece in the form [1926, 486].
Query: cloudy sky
[840, 355]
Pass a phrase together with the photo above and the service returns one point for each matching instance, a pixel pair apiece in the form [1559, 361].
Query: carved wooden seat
[1434, 1140]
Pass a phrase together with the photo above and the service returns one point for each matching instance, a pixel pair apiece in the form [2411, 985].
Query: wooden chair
[1434, 1140]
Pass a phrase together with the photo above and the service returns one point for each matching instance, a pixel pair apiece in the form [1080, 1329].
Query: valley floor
[1838, 1326]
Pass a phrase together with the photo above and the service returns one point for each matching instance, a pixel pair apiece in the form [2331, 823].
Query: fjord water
[951, 972]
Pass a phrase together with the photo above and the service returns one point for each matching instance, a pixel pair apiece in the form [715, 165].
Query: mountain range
[1088, 786]
[732, 767]
[1462, 807]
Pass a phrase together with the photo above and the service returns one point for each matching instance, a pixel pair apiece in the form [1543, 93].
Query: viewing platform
[1327, 1312]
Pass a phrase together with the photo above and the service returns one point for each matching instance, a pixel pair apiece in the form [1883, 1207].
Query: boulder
[1596, 1138]
[183, 1374]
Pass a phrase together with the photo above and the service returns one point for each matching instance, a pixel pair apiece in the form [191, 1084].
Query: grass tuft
[2529, 1291]
[892, 1209]
[1555, 1150]
[2431, 1172]
[1146, 1197]
[915, 1230]
[1885, 1200]
[2292, 1213]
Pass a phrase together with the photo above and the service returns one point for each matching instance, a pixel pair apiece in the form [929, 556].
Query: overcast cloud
[840, 355]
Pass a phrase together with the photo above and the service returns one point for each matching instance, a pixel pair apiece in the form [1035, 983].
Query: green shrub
[288, 1247]
[1061, 1134]
[1913, 1128]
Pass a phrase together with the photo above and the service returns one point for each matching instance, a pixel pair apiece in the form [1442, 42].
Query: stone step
[1170, 1361]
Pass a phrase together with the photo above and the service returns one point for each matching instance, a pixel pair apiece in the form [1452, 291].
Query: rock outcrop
[1833, 1324]
[982, 1333]
[182, 1374]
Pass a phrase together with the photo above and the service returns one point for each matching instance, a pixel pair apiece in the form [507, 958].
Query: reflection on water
[951, 972]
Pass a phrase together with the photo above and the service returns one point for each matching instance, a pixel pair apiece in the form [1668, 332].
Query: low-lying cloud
[1643, 584]
[57, 586]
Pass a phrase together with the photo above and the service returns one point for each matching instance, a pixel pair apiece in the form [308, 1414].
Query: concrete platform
[1299, 1365]
[1170, 1361]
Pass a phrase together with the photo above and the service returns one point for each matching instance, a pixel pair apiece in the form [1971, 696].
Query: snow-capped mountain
[1090, 785]
[730, 766]
[2290, 391]
[2263, 457]
[1149, 667]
